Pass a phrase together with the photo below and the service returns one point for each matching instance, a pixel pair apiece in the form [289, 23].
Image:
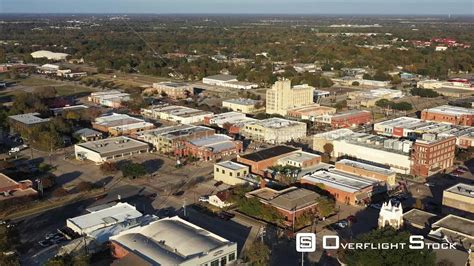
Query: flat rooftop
[242, 101]
[108, 216]
[177, 131]
[170, 241]
[222, 77]
[419, 218]
[112, 146]
[457, 224]
[463, 189]
[276, 122]
[300, 156]
[350, 113]
[268, 153]
[364, 166]
[29, 119]
[340, 180]
[171, 84]
[232, 165]
[215, 143]
[312, 108]
[451, 110]
[180, 111]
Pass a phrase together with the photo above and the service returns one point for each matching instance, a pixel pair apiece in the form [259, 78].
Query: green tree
[8, 243]
[383, 103]
[326, 206]
[402, 106]
[258, 254]
[133, 170]
[400, 256]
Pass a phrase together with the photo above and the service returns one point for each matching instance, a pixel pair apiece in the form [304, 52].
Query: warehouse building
[449, 114]
[274, 130]
[173, 90]
[49, 55]
[172, 241]
[24, 121]
[370, 97]
[168, 139]
[352, 118]
[175, 113]
[459, 200]
[310, 112]
[120, 124]
[112, 98]
[228, 81]
[244, 105]
[345, 187]
[98, 219]
[104, 150]
[232, 122]
[210, 148]
[367, 170]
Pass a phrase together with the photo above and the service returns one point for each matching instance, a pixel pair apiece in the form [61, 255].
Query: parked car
[218, 183]
[225, 215]
[429, 184]
[18, 148]
[342, 224]
[178, 193]
[204, 199]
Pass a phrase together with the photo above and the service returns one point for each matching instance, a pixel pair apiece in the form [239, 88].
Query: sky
[382, 7]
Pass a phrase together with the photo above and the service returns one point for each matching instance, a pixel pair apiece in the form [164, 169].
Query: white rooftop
[365, 166]
[340, 180]
[451, 110]
[29, 119]
[276, 122]
[170, 241]
[105, 217]
[462, 189]
[231, 165]
[242, 101]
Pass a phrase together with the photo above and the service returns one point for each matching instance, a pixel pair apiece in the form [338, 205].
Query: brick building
[173, 90]
[210, 148]
[347, 119]
[121, 124]
[449, 114]
[9, 188]
[345, 187]
[291, 202]
[261, 160]
[367, 170]
[430, 156]
[168, 139]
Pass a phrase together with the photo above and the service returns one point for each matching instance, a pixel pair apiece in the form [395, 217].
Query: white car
[429, 184]
[204, 199]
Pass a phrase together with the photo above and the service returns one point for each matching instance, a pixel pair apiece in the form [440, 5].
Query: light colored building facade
[459, 200]
[311, 112]
[228, 81]
[121, 124]
[175, 113]
[112, 98]
[231, 173]
[282, 97]
[367, 170]
[173, 90]
[104, 150]
[243, 105]
[274, 130]
[352, 118]
[168, 139]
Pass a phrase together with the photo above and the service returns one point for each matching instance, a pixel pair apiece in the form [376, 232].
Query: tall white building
[391, 215]
[282, 97]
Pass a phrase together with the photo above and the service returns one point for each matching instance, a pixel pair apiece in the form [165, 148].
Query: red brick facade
[429, 158]
[463, 119]
[352, 119]
[205, 154]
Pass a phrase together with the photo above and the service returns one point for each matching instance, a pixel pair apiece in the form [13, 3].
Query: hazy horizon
[255, 7]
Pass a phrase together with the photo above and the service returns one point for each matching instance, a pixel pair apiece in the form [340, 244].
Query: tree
[401, 256]
[47, 92]
[341, 105]
[355, 83]
[133, 170]
[258, 254]
[383, 103]
[326, 206]
[8, 242]
[84, 186]
[424, 92]
[402, 106]
[60, 192]
[109, 167]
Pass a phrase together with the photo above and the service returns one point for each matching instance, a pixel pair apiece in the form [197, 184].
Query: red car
[352, 219]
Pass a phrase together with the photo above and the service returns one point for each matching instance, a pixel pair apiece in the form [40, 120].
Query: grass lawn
[32, 81]
[66, 90]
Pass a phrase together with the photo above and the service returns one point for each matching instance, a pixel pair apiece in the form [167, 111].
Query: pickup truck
[17, 148]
